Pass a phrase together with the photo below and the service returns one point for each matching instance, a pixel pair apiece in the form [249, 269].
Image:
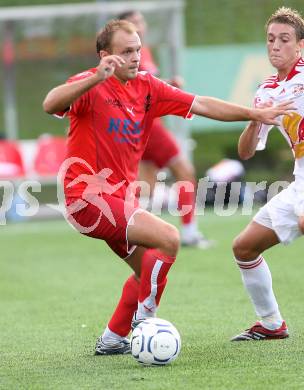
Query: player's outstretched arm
[229, 112]
[248, 140]
[62, 96]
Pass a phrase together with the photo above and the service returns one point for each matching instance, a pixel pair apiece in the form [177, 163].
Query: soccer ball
[155, 342]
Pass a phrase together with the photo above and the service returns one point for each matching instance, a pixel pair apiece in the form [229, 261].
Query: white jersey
[292, 126]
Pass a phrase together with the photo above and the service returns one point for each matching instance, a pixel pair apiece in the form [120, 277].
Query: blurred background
[218, 47]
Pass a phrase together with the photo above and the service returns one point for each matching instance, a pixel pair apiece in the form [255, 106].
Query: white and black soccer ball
[155, 342]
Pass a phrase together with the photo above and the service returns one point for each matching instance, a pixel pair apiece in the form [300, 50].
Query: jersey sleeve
[171, 100]
[260, 97]
[81, 105]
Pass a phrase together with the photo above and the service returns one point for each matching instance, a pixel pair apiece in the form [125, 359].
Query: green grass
[58, 289]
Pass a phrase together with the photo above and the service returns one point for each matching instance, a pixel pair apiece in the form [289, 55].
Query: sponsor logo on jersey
[118, 104]
[113, 102]
[298, 90]
[293, 124]
[130, 110]
[125, 130]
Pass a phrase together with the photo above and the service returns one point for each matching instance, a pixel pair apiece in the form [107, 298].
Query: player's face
[127, 46]
[283, 47]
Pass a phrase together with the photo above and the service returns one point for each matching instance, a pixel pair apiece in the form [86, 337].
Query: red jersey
[110, 125]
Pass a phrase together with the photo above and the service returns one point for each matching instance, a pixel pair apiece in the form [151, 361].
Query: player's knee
[171, 240]
[242, 251]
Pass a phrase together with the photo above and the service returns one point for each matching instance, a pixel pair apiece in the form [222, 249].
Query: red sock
[186, 199]
[120, 323]
[154, 269]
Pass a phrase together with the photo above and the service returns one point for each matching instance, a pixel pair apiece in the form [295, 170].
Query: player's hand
[268, 113]
[107, 66]
[268, 103]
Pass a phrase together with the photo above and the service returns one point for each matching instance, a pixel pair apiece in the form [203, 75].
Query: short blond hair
[292, 17]
[105, 35]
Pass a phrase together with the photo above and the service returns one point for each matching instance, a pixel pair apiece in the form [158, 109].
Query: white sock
[257, 280]
[272, 322]
[109, 337]
[189, 229]
[143, 313]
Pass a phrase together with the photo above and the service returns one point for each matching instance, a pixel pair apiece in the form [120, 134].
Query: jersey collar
[293, 71]
[116, 82]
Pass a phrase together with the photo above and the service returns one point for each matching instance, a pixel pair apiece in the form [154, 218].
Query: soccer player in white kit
[281, 220]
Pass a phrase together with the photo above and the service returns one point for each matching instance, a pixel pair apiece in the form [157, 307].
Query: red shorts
[110, 227]
[161, 146]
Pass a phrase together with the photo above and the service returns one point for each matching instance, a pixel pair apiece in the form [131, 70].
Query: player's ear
[301, 44]
[103, 53]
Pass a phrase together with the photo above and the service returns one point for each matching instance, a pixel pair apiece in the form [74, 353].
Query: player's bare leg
[162, 242]
[183, 170]
[253, 241]
[152, 232]
[147, 172]
[157, 245]
[248, 248]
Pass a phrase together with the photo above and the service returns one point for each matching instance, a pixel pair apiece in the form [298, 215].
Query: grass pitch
[58, 289]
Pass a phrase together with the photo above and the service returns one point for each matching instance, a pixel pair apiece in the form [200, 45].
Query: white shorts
[281, 214]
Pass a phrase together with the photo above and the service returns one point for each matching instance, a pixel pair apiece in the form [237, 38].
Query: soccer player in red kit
[162, 149]
[111, 109]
